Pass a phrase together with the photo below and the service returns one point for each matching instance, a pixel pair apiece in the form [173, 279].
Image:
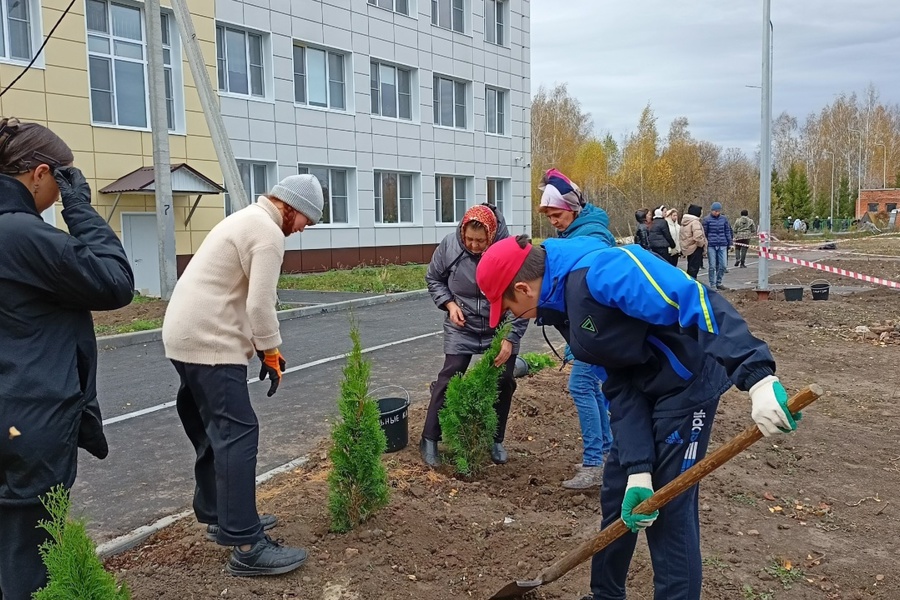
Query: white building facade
[408, 112]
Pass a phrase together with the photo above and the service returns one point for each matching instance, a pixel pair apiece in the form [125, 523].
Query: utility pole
[858, 164]
[162, 167]
[765, 153]
[832, 189]
[210, 102]
[884, 164]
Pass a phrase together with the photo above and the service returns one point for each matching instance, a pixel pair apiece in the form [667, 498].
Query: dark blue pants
[22, 570]
[214, 406]
[674, 538]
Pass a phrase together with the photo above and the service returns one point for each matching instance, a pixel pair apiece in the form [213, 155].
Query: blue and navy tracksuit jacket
[669, 345]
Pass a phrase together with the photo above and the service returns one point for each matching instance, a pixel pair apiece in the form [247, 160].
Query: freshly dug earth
[144, 310]
[813, 515]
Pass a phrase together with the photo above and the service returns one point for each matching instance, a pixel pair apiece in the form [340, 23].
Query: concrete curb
[155, 335]
[136, 536]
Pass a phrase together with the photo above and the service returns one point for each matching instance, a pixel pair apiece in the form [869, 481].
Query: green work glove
[638, 489]
[769, 407]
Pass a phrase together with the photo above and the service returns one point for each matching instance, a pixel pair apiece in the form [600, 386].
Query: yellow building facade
[90, 87]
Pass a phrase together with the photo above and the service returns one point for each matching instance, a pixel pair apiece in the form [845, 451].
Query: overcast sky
[694, 58]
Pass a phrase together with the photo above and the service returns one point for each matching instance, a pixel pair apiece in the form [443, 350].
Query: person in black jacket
[642, 233]
[660, 236]
[50, 281]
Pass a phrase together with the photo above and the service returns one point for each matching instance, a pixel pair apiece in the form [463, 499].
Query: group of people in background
[713, 236]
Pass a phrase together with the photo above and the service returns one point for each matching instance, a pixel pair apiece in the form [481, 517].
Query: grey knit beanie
[302, 193]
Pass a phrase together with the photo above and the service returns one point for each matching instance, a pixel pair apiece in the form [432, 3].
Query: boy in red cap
[670, 348]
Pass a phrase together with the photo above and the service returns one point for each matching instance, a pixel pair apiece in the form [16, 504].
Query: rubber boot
[429, 450]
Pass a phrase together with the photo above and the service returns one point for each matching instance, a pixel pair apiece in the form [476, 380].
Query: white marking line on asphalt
[309, 365]
[136, 536]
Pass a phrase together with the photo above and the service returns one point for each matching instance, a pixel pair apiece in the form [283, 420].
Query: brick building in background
[877, 201]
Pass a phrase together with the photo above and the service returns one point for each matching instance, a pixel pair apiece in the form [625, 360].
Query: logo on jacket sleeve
[674, 439]
[588, 325]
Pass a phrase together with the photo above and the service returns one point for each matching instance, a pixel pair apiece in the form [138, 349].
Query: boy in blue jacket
[670, 348]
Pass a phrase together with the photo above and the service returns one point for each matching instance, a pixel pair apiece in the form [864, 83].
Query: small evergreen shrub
[358, 484]
[74, 572]
[468, 419]
[537, 362]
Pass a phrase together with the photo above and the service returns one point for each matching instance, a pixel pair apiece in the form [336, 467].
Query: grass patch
[783, 571]
[537, 362]
[743, 499]
[136, 325]
[752, 594]
[385, 279]
[141, 299]
[714, 562]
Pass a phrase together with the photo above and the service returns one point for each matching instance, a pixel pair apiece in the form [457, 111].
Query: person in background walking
[798, 224]
[50, 281]
[661, 240]
[451, 282]
[744, 229]
[222, 312]
[561, 202]
[675, 230]
[693, 239]
[642, 233]
[719, 236]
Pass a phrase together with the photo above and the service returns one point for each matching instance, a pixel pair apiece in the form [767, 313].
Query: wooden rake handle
[683, 482]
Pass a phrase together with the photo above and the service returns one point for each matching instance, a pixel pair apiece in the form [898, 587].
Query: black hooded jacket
[50, 281]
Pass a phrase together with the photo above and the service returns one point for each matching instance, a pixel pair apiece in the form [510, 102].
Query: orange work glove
[272, 366]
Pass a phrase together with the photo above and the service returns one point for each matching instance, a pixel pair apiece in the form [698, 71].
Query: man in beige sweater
[223, 310]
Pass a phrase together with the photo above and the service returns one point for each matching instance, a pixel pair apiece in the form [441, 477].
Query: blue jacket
[591, 221]
[718, 231]
[669, 345]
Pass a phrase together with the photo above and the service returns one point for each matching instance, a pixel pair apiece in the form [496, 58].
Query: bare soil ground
[145, 310]
[885, 268]
[810, 516]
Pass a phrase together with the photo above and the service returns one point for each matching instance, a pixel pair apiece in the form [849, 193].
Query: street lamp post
[884, 164]
[858, 163]
[831, 218]
[765, 153]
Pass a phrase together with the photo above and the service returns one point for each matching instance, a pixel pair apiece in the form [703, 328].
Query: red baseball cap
[496, 270]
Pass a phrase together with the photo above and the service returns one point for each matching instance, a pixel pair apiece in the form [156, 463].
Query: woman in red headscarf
[451, 281]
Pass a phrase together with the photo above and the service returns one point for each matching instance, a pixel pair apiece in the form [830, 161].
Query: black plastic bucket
[793, 294]
[394, 418]
[820, 289]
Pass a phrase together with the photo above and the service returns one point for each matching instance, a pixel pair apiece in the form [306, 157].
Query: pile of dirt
[811, 516]
[144, 310]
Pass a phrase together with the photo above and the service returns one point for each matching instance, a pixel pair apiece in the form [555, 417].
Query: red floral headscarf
[484, 215]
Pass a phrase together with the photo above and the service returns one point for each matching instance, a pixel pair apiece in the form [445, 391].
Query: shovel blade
[516, 589]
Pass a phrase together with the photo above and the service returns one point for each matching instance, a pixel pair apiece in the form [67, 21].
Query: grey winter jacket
[451, 276]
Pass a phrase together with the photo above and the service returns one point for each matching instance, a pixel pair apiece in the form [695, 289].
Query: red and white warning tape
[834, 270]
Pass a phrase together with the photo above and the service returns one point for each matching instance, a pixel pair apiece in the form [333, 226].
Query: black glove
[73, 187]
[267, 371]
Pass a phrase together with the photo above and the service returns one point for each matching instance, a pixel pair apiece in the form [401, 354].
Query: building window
[451, 198]
[449, 103]
[255, 177]
[495, 21]
[16, 31]
[449, 14]
[117, 65]
[495, 110]
[890, 207]
[497, 193]
[239, 61]
[873, 207]
[319, 78]
[400, 6]
[391, 91]
[393, 197]
[335, 188]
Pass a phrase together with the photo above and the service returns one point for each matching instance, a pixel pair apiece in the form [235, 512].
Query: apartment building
[90, 86]
[408, 112]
